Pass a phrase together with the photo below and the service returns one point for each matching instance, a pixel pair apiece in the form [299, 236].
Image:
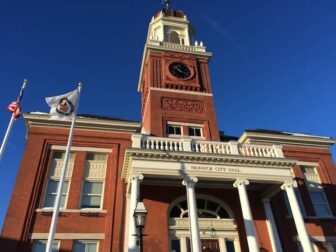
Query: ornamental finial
[166, 4]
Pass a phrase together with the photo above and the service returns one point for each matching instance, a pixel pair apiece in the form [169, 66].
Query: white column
[135, 191]
[247, 215]
[272, 229]
[192, 210]
[298, 219]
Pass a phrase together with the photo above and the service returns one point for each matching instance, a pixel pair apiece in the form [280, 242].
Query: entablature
[176, 158]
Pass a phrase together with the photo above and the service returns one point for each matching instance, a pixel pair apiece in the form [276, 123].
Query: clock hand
[178, 69]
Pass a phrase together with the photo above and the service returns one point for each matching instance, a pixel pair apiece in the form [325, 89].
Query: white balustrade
[257, 150]
[177, 46]
[193, 145]
[160, 143]
[211, 147]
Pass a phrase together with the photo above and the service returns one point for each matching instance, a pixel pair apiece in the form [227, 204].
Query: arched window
[174, 38]
[206, 208]
[216, 225]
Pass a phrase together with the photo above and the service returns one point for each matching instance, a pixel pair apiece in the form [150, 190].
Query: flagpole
[11, 122]
[61, 182]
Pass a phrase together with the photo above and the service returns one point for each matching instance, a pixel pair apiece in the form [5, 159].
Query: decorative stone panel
[182, 105]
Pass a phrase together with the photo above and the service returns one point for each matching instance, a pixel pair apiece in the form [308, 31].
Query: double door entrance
[207, 245]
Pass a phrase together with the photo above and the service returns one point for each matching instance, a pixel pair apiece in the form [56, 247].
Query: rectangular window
[194, 131]
[55, 170]
[40, 246]
[316, 192]
[85, 246]
[174, 130]
[93, 183]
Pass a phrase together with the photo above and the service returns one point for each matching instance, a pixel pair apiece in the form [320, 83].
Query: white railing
[159, 143]
[200, 146]
[173, 46]
[257, 150]
[211, 147]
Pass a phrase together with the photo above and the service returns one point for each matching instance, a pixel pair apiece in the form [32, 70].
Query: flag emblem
[65, 107]
[62, 107]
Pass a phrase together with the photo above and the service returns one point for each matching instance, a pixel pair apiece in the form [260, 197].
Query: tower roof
[170, 13]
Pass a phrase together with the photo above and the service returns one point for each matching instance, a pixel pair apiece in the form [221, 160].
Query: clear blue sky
[274, 63]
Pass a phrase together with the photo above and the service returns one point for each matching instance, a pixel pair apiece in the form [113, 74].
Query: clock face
[179, 70]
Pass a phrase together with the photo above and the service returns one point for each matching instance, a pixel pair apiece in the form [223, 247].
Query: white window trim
[87, 241]
[85, 179]
[186, 125]
[309, 189]
[175, 135]
[84, 149]
[66, 197]
[87, 209]
[196, 127]
[69, 236]
[56, 178]
[44, 241]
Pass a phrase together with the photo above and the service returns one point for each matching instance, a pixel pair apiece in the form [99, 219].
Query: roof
[83, 121]
[285, 133]
[170, 13]
[262, 136]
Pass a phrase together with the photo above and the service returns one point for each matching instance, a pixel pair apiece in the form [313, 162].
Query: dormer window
[174, 37]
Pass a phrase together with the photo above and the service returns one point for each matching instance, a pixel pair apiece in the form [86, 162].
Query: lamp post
[139, 215]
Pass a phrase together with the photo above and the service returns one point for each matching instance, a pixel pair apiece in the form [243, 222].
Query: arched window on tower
[174, 37]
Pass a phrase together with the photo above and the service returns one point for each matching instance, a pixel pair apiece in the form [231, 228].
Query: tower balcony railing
[173, 46]
[200, 146]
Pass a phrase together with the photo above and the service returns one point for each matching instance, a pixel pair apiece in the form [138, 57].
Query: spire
[166, 4]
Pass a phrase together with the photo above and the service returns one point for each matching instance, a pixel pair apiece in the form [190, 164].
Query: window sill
[92, 211]
[83, 211]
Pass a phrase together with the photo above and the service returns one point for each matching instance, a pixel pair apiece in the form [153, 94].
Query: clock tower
[177, 99]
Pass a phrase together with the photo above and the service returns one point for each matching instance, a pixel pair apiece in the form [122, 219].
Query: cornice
[287, 139]
[85, 123]
[203, 158]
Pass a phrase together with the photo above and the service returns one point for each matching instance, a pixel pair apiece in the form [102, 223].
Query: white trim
[93, 180]
[306, 140]
[83, 210]
[185, 124]
[44, 241]
[180, 91]
[303, 163]
[205, 197]
[85, 241]
[69, 236]
[87, 149]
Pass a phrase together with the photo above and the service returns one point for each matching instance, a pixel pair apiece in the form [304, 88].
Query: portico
[229, 164]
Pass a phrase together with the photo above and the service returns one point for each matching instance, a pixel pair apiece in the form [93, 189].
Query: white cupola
[171, 26]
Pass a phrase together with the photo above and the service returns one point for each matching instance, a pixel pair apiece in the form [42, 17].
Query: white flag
[63, 107]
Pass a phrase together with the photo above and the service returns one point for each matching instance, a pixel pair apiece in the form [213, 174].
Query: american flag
[15, 109]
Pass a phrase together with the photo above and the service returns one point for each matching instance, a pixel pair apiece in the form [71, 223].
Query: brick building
[204, 191]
